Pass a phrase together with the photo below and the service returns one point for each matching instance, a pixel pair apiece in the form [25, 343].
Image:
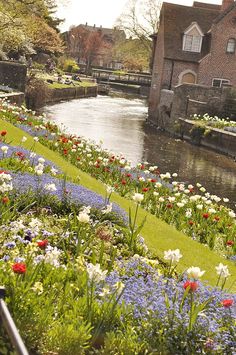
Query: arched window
[188, 77]
[231, 45]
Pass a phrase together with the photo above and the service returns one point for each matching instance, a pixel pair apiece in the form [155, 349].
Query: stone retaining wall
[71, 93]
[216, 139]
[13, 75]
[14, 98]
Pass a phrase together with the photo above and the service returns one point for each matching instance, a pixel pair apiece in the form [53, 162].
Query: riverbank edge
[60, 94]
[158, 235]
[220, 141]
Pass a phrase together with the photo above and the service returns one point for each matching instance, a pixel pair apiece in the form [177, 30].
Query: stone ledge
[216, 139]
[14, 97]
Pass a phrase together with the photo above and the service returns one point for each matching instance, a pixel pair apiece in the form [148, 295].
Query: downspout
[171, 73]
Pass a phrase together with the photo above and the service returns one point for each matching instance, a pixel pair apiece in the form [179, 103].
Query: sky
[101, 12]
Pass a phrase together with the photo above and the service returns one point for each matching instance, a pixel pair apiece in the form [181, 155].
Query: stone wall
[13, 75]
[189, 99]
[216, 139]
[71, 93]
[186, 97]
[14, 98]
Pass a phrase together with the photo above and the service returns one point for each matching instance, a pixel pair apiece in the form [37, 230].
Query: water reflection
[120, 123]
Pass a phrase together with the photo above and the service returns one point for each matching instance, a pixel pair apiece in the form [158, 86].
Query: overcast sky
[101, 12]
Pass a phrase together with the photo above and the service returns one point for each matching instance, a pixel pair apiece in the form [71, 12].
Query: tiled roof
[223, 14]
[176, 19]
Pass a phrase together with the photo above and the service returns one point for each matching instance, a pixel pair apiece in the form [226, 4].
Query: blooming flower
[192, 285]
[19, 268]
[42, 244]
[172, 255]
[83, 217]
[227, 303]
[4, 149]
[194, 272]
[95, 272]
[138, 197]
[50, 187]
[222, 270]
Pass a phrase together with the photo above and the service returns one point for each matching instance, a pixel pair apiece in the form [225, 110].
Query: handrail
[10, 326]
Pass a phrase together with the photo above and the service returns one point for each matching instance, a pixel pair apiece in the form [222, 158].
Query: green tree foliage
[28, 26]
[132, 54]
[139, 20]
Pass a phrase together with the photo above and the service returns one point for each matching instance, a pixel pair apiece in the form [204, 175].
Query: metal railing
[10, 326]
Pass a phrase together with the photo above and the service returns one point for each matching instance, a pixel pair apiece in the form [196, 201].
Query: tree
[28, 25]
[131, 53]
[140, 20]
[86, 44]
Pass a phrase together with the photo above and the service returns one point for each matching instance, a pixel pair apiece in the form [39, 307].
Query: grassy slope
[65, 86]
[158, 235]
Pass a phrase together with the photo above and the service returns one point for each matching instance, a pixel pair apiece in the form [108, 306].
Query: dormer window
[231, 46]
[192, 39]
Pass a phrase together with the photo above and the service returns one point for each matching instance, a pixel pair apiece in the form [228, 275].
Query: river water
[120, 122]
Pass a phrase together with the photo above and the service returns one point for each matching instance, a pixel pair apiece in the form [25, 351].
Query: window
[192, 43]
[219, 82]
[192, 39]
[231, 46]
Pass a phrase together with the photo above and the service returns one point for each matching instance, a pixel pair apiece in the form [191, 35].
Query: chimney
[226, 4]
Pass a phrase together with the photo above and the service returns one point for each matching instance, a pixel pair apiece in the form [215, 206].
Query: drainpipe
[171, 74]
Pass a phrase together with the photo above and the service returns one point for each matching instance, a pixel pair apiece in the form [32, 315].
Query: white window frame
[222, 81]
[194, 48]
[233, 41]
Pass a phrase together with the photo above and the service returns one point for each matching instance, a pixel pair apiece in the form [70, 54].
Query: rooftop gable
[178, 18]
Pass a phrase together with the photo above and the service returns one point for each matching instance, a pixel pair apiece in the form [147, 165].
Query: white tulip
[195, 272]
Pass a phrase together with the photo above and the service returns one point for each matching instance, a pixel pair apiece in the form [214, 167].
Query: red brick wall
[220, 64]
[179, 67]
[157, 72]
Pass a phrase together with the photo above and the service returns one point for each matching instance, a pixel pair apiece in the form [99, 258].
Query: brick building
[76, 38]
[195, 44]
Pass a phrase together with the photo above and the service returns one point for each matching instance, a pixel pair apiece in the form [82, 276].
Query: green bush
[68, 65]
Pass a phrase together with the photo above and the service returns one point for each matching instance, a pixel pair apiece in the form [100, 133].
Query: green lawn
[158, 235]
[77, 84]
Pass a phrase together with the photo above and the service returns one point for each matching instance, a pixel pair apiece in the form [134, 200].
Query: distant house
[195, 45]
[104, 56]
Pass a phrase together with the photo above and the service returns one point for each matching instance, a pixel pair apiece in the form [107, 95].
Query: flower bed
[81, 281]
[191, 209]
[216, 122]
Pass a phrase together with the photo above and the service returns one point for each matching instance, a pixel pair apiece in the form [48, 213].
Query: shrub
[68, 65]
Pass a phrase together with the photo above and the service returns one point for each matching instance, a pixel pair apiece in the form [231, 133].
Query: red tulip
[19, 268]
[192, 285]
[227, 303]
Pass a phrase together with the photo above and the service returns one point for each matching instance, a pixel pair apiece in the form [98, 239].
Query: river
[120, 123]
